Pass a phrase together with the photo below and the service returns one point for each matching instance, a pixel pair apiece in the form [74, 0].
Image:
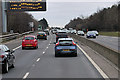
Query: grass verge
[115, 34]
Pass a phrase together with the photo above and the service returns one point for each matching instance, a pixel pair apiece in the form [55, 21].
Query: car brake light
[57, 44]
[73, 49]
[45, 34]
[58, 49]
[73, 43]
[2, 56]
[56, 36]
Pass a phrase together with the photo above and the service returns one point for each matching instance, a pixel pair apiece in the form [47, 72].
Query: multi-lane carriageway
[41, 63]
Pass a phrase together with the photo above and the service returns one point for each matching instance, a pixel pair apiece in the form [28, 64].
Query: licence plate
[66, 50]
[41, 35]
[28, 45]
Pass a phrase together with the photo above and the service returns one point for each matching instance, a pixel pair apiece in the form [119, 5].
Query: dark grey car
[7, 58]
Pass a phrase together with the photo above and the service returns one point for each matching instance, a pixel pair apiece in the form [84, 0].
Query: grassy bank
[115, 34]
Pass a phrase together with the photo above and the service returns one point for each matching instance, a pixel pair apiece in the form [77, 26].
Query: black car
[61, 35]
[7, 58]
[90, 34]
[46, 31]
[42, 35]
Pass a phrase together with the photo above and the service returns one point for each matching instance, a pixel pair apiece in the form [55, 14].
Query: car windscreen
[65, 42]
[1, 51]
[1, 48]
[92, 33]
[29, 38]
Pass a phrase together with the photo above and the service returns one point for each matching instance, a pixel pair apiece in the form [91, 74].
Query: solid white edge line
[38, 60]
[17, 47]
[26, 75]
[94, 64]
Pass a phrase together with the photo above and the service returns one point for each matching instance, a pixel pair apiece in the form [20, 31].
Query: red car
[29, 42]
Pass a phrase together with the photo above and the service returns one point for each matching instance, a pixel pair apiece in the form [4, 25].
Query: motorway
[108, 41]
[41, 63]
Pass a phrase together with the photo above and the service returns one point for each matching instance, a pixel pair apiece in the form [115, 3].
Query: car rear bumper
[66, 52]
[29, 45]
[91, 36]
[41, 37]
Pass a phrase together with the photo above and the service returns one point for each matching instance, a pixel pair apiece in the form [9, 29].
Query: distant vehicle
[60, 31]
[42, 35]
[46, 31]
[61, 35]
[96, 32]
[80, 33]
[7, 58]
[54, 31]
[90, 34]
[65, 46]
[29, 41]
[70, 28]
[73, 31]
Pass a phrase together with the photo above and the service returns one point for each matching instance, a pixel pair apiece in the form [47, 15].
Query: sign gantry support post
[4, 15]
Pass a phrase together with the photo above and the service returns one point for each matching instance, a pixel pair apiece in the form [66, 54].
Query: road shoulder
[102, 62]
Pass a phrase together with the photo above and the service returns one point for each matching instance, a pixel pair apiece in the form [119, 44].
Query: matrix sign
[27, 5]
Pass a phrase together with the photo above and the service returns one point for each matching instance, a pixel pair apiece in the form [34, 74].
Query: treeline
[103, 20]
[19, 22]
[43, 23]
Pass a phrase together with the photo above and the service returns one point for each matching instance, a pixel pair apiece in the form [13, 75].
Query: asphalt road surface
[108, 41]
[41, 63]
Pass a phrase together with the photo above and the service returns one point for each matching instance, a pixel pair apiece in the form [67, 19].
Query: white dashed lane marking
[38, 60]
[26, 75]
[17, 47]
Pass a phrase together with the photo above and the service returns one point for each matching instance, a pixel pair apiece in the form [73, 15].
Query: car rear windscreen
[62, 35]
[29, 38]
[65, 42]
[41, 33]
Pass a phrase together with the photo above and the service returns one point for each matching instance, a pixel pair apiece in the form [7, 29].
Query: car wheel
[56, 54]
[45, 38]
[36, 47]
[23, 48]
[13, 65]
[5, 68]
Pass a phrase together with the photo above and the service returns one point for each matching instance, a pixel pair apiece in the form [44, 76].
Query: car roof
[41, 32]
[2, 45]
[65, 39]
[30, 36]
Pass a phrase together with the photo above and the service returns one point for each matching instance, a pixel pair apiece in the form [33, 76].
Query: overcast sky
[60, 12]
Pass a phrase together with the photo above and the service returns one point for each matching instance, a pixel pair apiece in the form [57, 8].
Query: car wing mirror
[7, 51]
[12, 51]
[53, 43]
